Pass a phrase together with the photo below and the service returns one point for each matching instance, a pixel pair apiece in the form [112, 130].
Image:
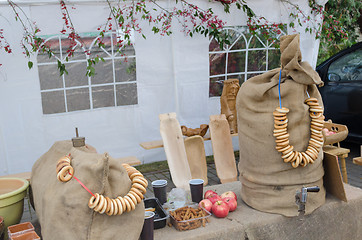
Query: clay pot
[12, 193]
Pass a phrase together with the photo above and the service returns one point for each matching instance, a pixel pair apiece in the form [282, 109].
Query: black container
[160, 213]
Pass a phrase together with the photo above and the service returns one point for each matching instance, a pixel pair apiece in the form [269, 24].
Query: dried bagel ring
[280, 133]
[133, 194]
[315, 115]
[103, 209]
[58, 177]
[280, 130]
[291, 157]
[287, 154]
[139, 187]
[316, 109]
[138, 192]
[311, 99]
[128, 204]
[65, 158]
[284, 117]
[115, 207]
[130, 201]
[141, 181]
[295, 163]
[303, 162]
[64, 174]
[60, 165]
[135, 174]
[283, 110]
[280, 122]
[132, 197]
[119, 206]
[278, 114]
[109, 206]
[100, 204]
[284, 126]
[284, 136]
[144, 180]
[93, 201]
[124, 206]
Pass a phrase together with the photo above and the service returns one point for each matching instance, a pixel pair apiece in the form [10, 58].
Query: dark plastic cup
[159, 190]
[147, 230]
[197, 189]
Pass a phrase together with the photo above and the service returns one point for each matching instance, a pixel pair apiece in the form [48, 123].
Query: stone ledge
[334, 220]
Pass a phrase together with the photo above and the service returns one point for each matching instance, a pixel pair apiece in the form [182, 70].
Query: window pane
[49, 77]
[103, 72]
[347, 68]
[126, 94]
[240, 44]
[255, 43]
[103, 52]
[214, 46]
[76, 74]
[68, 45]
[273, 59]
[125, 70]
[53, 102]
[53, 44]
[215, 88]
[238, 76]
[217, 63]
[78, 99]
[103, 96]
[252, 75]
[236, 62]
[127, 50]
[257, 60]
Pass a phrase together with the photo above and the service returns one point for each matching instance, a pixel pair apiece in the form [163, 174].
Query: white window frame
[228, 49]
[115, 55]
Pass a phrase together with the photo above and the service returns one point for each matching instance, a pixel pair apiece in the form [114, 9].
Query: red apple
[233, 204]
[208, 193]
[229, 194]
[214, 198]
[220, 209]
[206, 204]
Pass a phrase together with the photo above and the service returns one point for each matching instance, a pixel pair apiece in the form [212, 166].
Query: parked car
[342, 90]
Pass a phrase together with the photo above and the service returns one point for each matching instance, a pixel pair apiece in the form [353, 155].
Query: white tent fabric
[172, 76]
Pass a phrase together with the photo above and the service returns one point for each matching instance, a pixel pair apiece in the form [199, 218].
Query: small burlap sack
[269, 184]
[62, 208]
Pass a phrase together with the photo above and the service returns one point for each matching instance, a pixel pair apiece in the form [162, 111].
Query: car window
[347, 68]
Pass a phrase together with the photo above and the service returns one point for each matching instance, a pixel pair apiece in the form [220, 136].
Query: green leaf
[30, 64]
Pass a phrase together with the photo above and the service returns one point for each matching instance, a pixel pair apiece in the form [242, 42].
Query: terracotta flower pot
[12, 193]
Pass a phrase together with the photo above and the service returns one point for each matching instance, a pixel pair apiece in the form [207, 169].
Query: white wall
[172, 76]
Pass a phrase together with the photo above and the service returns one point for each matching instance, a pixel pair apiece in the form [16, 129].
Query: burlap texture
[269, 184]
[62, 208]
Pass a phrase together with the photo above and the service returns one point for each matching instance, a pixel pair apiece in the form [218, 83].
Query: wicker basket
[341, 132]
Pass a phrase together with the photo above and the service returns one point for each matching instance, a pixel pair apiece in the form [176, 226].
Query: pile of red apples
[219, 205]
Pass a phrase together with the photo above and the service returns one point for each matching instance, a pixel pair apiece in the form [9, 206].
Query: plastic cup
[159, 190]
[197, 189]
[147, 230]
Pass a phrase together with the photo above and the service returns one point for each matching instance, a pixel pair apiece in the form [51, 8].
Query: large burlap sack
[62, 208]
[269, 184]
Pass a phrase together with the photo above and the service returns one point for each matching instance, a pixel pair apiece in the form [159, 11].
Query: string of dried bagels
[102, 204]
[282, 136]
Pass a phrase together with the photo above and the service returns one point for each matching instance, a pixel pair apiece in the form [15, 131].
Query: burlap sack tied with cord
[268, 183]
[62, 208]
